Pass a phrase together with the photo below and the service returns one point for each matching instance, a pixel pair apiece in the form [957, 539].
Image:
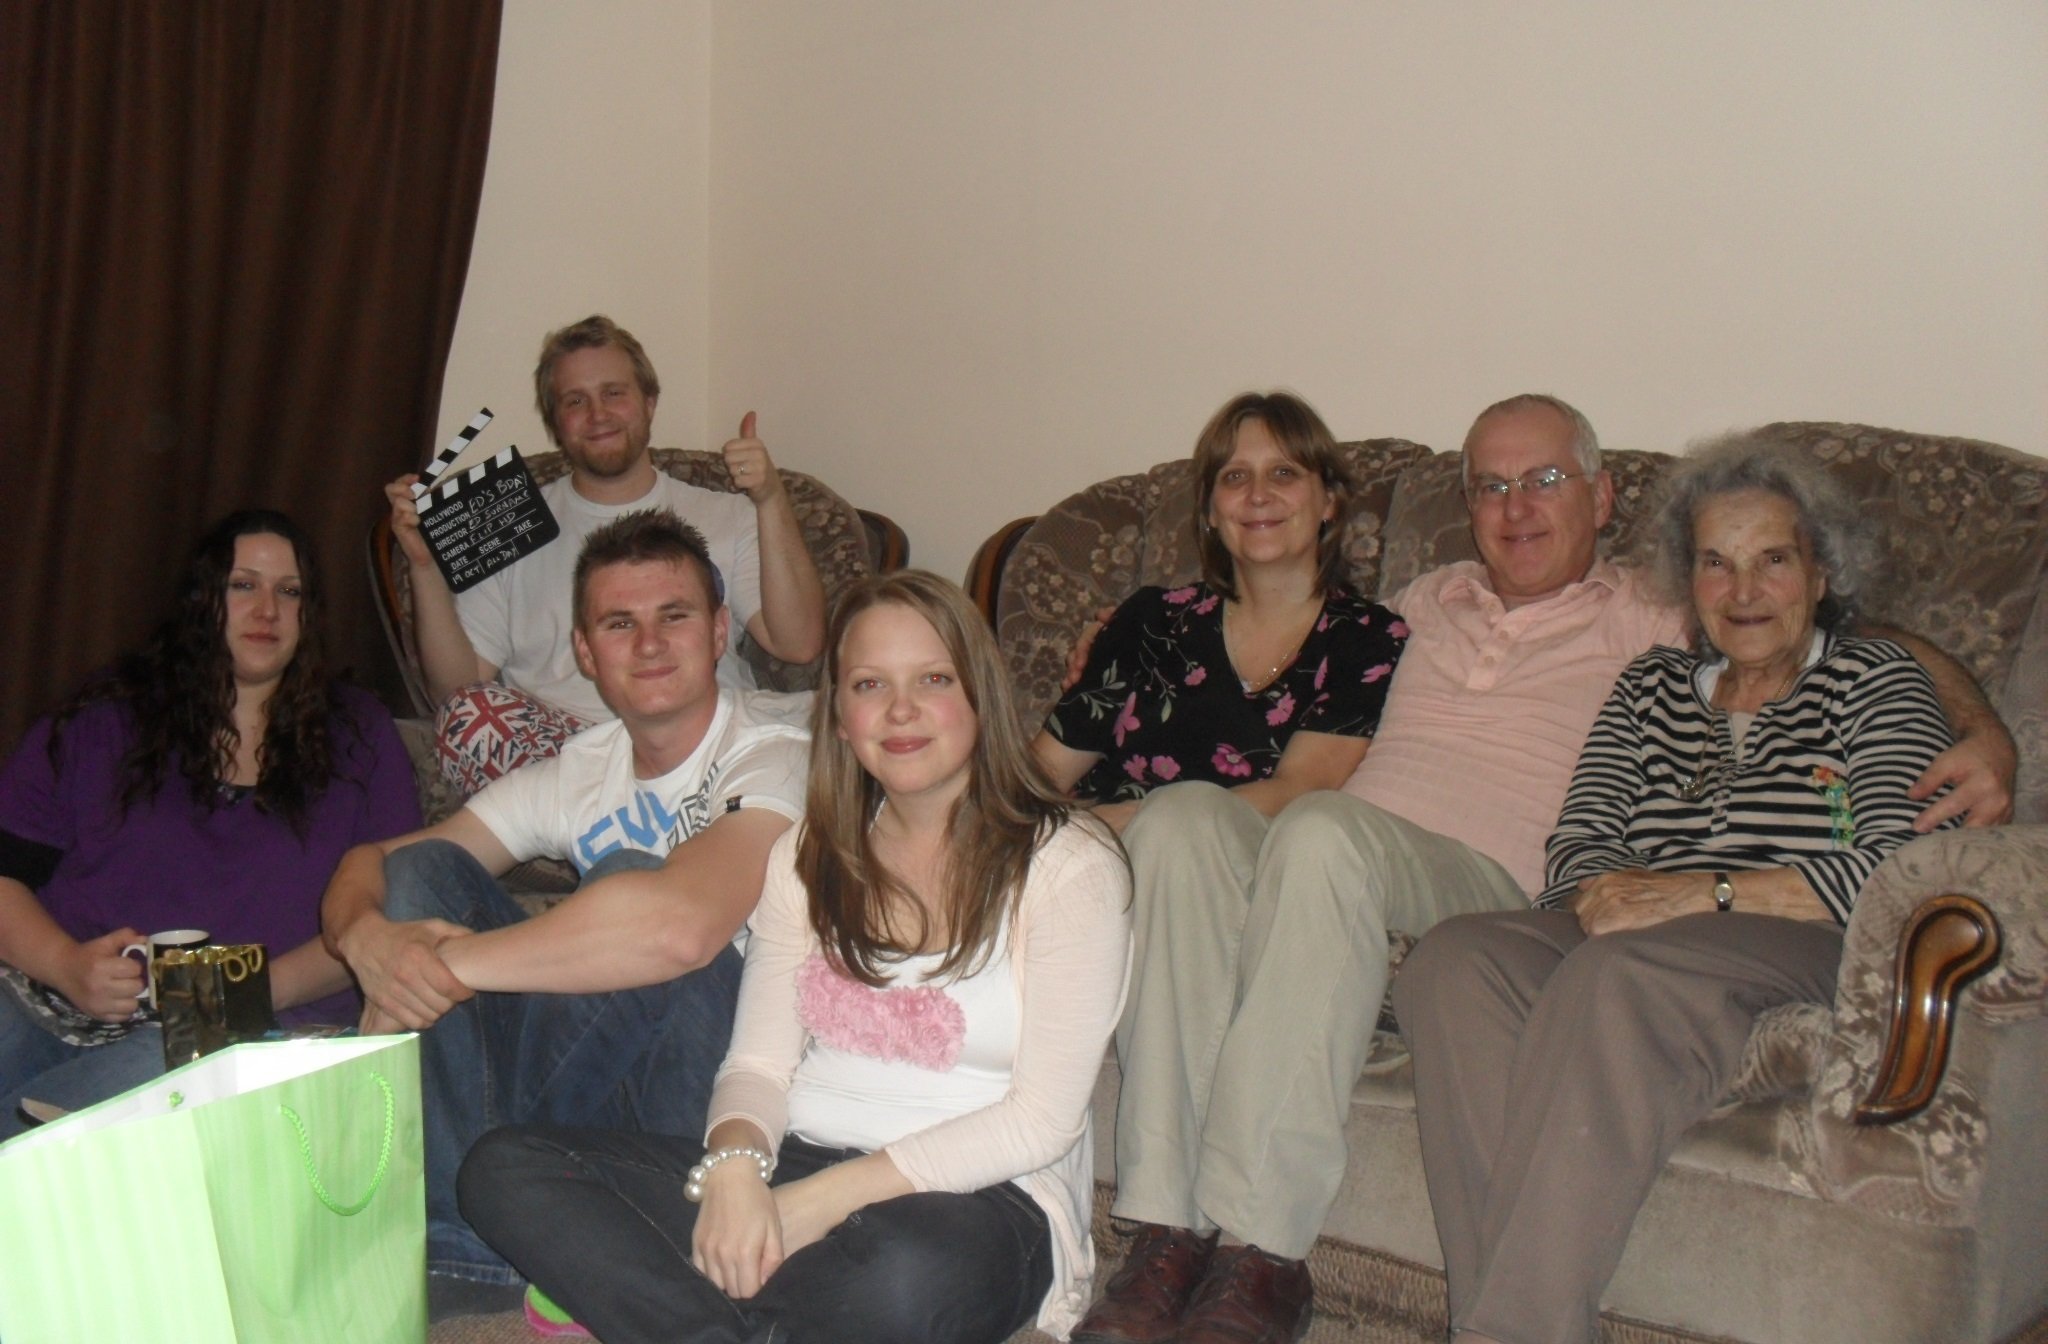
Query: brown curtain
[233, 235]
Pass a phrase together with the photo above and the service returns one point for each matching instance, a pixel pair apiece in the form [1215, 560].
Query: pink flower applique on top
[1176, 596]
[1166, 767]
[1127, 718]
[918, 1025]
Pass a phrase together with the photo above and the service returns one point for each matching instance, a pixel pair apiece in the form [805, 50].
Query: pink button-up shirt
[1489, 707]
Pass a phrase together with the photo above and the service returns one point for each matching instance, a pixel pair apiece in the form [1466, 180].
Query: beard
[613, 459]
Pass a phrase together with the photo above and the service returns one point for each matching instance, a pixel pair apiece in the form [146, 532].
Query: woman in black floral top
[1267, 676]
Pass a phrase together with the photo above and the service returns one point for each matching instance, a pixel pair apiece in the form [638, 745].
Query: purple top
[236, 871]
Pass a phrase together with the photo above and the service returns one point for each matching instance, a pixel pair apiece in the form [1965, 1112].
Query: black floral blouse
[1161, 702]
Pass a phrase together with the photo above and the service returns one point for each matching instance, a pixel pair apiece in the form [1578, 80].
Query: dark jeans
[598, 1219]
[636, 1058]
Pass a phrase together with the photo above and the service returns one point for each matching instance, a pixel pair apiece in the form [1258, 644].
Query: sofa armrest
[1948, 942]
[1087, 552]
[1930, 1158]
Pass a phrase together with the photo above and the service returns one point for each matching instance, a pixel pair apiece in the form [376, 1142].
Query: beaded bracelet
[693, 1184]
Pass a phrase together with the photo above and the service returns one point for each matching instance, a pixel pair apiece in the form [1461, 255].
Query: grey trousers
[1259, 965]
[1555, 1074]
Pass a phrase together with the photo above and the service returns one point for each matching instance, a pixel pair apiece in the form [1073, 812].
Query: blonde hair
[1007, 811]
[591, 333]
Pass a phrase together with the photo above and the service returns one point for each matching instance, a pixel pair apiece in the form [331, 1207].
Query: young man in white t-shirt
[615, 1006]
[497, 658]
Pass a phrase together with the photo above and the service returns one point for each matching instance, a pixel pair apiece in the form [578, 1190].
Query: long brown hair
[862, 913]
[180, 688]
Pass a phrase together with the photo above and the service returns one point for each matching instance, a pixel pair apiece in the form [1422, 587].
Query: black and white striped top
[1820, 786]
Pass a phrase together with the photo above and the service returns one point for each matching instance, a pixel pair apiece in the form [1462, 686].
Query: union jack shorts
[487, 730]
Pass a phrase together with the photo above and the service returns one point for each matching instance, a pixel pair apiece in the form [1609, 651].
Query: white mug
[157, 944]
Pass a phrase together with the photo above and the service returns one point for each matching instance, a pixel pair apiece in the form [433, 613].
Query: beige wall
[965, 257]
[594, 201]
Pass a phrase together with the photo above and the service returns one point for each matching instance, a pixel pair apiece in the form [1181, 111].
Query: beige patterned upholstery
[1779, 1218]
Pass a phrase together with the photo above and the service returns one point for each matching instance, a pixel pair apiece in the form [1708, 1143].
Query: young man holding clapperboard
[615, 1006]
[596, 391]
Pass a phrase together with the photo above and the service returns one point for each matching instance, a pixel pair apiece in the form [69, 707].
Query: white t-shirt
[586, 803]
[519, 618]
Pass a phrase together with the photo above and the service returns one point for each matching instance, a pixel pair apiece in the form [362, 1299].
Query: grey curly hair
[1829, 522]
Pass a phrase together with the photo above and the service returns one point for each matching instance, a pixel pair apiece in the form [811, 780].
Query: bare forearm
[1634, 898]
[355, 890]
[737, 1134]
[816, 1204]
[623, 932]
[447, 657]
[1776, 891]
[792, 596]
[305, 973]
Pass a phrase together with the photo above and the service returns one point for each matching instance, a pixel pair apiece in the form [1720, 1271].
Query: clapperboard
[479, 520]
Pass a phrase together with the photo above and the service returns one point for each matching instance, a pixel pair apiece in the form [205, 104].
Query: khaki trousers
[1555, 1074]
[1260, 961]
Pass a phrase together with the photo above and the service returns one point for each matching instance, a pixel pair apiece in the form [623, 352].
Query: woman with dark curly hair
[211, 781]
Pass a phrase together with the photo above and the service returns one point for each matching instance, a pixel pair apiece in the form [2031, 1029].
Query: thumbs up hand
[746, 458]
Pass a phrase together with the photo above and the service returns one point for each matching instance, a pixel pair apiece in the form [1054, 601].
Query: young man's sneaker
[1249, 1297]
[546, 1318]
[1144, 1300]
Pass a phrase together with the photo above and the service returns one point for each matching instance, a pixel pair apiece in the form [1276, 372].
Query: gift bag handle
[383, 1154]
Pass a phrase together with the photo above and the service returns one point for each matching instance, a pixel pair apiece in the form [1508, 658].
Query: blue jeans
[35, 1064]
[599, 1221]
[639, 1059]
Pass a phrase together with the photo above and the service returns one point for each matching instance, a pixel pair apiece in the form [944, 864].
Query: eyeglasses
[1542, 483]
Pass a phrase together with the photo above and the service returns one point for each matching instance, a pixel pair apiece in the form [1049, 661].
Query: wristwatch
[1724, 893]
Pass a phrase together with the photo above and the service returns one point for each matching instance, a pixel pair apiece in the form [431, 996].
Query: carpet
[1362, 1297]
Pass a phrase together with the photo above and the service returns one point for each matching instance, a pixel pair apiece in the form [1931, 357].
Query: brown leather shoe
[1249, 1297]
[1143, 1301]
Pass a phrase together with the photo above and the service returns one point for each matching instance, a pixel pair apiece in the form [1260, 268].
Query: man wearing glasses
[1248, 1024]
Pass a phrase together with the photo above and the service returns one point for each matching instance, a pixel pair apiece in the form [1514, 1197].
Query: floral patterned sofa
[1797, 1212]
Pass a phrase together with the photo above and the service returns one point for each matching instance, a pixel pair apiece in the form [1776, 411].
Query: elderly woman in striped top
[1727, 807]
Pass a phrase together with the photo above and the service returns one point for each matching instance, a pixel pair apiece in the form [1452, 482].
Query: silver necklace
[1253, 686]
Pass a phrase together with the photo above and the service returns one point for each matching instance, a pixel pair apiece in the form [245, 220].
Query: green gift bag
[267, 1194]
